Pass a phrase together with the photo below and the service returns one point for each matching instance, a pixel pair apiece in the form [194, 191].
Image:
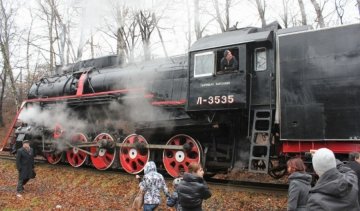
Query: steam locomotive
[293, 90]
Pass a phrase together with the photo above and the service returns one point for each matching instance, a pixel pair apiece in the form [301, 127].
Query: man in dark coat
[229, 62]
[354, 164]
[193, 189]
[25, 166]
[337, 187]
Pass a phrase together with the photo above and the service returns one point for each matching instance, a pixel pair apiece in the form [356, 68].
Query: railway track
[12, 157]
[249, 185]
[221, 183]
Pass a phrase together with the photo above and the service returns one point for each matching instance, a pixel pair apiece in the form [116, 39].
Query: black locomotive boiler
[293, 90]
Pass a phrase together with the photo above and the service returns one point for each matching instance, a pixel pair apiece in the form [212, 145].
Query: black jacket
[355, 166]
[229, 66]
[192, 190]
[25, 163]
[336, 189]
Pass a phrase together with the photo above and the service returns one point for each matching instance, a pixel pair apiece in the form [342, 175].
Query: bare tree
[358, 3]
[7, 36]
[147, 22]
[339, 8]
[223, 22]
[48, 11]
[2, 92]
[261, 6]
[188, 34]
[126, 33]
[62, 35]
[198, 31]
[199, 28]
[121, 49]
[302, 11]
[162, 41]
[318, 10]
[28, 44]
[285, 16]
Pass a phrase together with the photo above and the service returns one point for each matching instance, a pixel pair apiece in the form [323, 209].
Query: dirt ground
[66, 188]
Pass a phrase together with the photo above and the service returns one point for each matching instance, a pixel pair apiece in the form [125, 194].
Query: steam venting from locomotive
[50, 118]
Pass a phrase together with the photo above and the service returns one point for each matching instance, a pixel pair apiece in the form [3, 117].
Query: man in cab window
[228, 62]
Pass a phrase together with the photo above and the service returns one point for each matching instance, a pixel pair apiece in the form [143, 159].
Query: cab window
[204, 64]
[260, 59]
[227, 60]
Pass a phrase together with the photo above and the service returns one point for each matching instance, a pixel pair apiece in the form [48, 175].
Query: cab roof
[231, 38]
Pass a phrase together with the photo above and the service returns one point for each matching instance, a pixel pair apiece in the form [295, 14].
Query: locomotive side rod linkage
[82, 150]
[152, 146]
[147, 146]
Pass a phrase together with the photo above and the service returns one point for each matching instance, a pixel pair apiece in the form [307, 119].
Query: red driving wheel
[103, 156]
[74, 156]
[176, 161]
[55, 157]
[133, 159]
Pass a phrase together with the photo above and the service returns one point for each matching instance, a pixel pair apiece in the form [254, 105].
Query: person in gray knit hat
[337, 187]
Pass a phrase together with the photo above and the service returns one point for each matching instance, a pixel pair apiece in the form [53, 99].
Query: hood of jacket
[301, 177]
[333, 183]
[150, 167]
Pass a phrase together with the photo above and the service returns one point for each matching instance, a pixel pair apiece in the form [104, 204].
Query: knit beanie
[323, 160]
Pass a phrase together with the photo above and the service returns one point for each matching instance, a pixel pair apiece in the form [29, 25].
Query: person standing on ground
[299, 185]
[354, 164]
[337, 187]
[193, 189]
[151, 184]
[25, 166]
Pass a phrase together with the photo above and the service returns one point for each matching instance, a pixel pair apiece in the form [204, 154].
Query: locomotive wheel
[58, 131]
[74, 156]
[53, 158]
[177, 161]
[103, 157]
[277, 172]
[133, 159]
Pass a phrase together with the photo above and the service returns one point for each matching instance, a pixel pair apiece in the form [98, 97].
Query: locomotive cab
[213, 87]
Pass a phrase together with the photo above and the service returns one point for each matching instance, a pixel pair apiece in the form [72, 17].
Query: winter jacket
[336, 189]
[192, 190]
[25, 163]
[152, 183]
[229, 65]
[355, 166]
[299, 186]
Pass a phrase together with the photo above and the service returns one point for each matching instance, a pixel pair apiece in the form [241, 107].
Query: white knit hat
[323, 160]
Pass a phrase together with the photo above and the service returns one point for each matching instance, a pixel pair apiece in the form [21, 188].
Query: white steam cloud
[51, 117]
